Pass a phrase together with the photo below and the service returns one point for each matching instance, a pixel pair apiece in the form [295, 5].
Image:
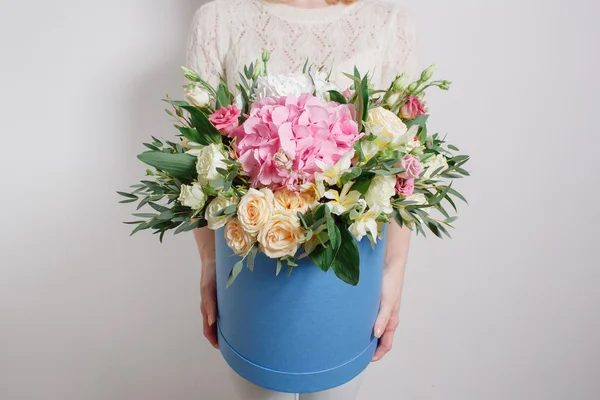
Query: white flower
[281, 236]
[369, 149]
[343, 201]
[209, 159]
[283, 85]
[381, 190]
[332, 173]
[417, 198]
[386, 126]
[198, 97]
[192, 196]
[364, 222]
[219, 203]
[322, 86]
[434, 163]
[255, 210]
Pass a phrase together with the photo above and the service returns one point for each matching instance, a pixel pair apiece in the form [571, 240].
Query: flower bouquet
[294, 171]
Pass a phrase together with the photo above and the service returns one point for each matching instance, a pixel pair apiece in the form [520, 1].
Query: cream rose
[287, 200]
[209, 159]
[433, 164]
[386, 126]
[198, 97]
[255, 210]
[381, 190]
[192, 196]
[281, 236]
[237, 239]
[219, 203]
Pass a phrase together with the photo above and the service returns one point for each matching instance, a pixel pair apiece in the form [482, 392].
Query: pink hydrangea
[225, 119]
[283, 137]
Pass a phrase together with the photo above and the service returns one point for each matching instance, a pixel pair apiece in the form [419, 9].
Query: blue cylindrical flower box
[302, 333]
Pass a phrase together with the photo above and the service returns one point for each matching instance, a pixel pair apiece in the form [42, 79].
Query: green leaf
[128, 195]
[237, 268]
[158, 207]
[351, 175]
[223, 95]
[192, 135]
[333, 232]
[251, 257]
[421, 120]
[279, 266]
[336, 96]
[362, 184]
[145, 215]
[455, 193]
[346, 264]
[166, 215]
[204, 126]
[322, 257]
[181, 166]
[452, 147]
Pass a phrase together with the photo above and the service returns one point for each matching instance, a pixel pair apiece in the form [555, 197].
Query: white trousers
[249, 391]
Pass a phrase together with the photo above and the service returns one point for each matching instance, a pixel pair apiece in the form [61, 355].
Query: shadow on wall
[190, 368]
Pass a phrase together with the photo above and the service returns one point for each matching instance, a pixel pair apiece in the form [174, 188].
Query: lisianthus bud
[190, 74]
[445, 85]
[428, 73]
[259, 69]
[391, 98]
[412, 87]
[400, 82]
[265, 55]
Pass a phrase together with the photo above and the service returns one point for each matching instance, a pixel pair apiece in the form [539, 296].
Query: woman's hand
[387, 320]
[205, 240]
[208, 304]
[396, 254]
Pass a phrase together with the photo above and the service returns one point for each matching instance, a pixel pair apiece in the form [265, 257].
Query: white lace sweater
[375, 36]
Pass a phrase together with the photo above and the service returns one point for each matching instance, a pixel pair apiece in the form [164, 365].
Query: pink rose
[405, 187]
[412, 108]
[226, 119]
[348, 93]
[412, 166]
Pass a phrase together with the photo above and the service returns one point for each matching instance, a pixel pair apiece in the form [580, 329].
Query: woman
[372, 35]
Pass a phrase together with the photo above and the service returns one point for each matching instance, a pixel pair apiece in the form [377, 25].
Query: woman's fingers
[210, 332]
[209, 301]
[385, 312]
[387, 339]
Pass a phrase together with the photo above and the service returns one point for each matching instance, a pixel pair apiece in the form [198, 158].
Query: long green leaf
[346, 264]
[182, 166]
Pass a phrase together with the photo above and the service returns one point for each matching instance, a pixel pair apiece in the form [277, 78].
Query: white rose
[237, 239]
[386, 126]
[219, 203]
[198, 97]
[433, 164]
[281, 236]
[283, 85]
[255, 210]
[192, 196]
[418, 198]
[381, 190]
[209, 159]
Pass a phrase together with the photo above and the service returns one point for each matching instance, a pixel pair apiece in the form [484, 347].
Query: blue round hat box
[301, 333]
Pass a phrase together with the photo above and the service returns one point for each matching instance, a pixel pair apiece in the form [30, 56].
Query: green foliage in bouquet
[397, 170]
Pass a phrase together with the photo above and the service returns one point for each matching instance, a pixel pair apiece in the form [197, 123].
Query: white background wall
[506, 310]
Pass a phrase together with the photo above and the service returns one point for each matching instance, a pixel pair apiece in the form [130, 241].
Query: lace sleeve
[206, 44]
[403, 49]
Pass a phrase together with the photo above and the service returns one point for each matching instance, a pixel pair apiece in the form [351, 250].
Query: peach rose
[286, 199]
[255, 209]
[281, 236]
[237, 239]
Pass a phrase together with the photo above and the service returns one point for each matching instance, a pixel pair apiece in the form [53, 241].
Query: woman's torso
[375, 36]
